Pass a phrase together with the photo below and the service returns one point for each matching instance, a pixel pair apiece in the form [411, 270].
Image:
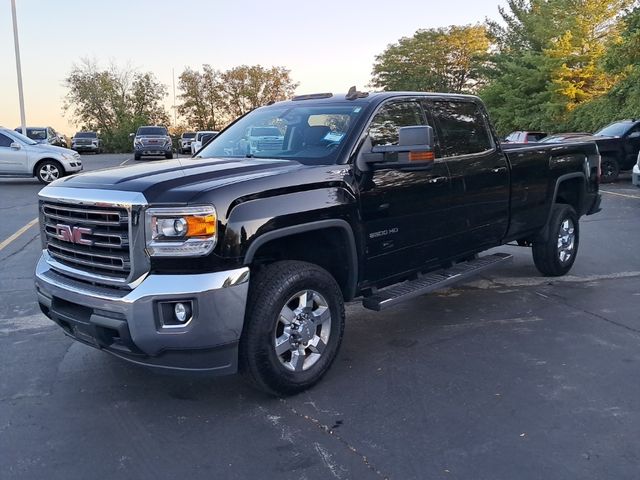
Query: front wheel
[555, 256]
[48, 171]
[293, 327]
[168, 156]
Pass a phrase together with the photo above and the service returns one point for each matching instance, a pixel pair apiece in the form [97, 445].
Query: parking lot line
[125, 161]
[620, 194]
[18, 233]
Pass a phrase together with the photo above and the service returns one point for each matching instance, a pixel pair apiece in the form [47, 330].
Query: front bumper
[635, 175]
[85, 148]
[128, 324]
[153, 149]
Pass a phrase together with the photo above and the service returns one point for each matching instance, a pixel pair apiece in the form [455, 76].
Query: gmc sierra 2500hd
[243, 259]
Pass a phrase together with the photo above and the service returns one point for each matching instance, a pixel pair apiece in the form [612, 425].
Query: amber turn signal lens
[421, 156]
[201, 226]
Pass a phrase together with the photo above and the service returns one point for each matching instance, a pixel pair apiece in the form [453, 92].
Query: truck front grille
[91, 239]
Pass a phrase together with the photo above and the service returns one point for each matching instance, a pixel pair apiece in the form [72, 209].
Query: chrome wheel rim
[566, 240]
[302, 331]
[49, 172]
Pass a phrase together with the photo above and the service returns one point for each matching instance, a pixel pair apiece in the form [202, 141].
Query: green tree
[548, 60]
[250, 86]
[440, 59]
[622, 60]
[113, 101]
[201, 98]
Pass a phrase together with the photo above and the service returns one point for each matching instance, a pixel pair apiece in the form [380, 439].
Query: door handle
[499, 169]
[438, 180]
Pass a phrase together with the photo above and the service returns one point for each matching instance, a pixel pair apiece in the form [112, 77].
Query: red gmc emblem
[73, 234]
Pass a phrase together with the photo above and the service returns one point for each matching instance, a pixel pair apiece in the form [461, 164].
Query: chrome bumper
[128, 323]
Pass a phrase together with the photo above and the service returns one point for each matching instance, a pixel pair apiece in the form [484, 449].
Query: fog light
[182, 312]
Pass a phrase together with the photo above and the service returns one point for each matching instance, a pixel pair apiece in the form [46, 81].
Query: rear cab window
[461, 128]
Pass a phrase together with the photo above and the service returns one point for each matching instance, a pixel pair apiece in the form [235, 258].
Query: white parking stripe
[620, 194]
[18, 233]
[125, 161]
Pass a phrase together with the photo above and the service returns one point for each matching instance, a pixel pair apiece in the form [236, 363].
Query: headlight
[181, 231]
[68, 156]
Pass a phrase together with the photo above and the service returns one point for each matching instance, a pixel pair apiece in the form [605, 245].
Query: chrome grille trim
[114, 254]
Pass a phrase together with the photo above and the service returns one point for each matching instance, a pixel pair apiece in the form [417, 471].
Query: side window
[384, 127]
[461, 128]
[5, 141]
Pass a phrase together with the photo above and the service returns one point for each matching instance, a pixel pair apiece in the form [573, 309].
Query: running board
[395, 294]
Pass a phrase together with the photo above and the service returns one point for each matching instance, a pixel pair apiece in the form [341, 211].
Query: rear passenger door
[479, 213]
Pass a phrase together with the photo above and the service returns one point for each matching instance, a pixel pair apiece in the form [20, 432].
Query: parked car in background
[185, 141]
[21, 156]
[197, 142]
[43, 135]
[635, 174]
[86, 142]
[619, 146]
[563, 137]
[524, 137]
[152, 140]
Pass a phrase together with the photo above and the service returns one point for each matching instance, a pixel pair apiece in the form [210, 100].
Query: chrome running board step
[430, 282]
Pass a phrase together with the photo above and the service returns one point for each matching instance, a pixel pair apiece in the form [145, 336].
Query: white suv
[22, 157]
[196, 144]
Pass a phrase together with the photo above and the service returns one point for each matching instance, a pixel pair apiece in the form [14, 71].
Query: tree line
[116, 100]
[551, 65]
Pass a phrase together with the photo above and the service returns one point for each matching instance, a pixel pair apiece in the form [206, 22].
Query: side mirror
[415, 148]
[15, 146]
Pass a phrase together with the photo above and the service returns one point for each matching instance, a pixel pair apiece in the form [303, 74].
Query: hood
[178, 181]
[51, 148]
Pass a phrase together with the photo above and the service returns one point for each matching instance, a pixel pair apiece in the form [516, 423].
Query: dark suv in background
[152, 140]
[86, 142]
[44, 135]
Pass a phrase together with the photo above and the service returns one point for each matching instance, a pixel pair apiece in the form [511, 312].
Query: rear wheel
[293, 327]
[610, 170]
[48, 171]
[555, 256]
[168, 155]
[137, 156]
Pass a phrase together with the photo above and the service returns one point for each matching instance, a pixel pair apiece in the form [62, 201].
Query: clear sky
[328, 45]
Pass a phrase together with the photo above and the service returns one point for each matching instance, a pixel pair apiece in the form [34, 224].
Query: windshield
[152, 131]
[22, 138]
[189, 135]
[614, 130]
[86, 135]
[37, 133]
[309, 134]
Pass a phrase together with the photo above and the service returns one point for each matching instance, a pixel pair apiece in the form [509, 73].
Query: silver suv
[21, 156]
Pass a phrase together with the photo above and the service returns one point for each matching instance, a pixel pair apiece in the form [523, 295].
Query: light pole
[18, 67]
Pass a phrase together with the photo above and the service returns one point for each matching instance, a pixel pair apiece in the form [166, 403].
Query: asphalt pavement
[510, 376]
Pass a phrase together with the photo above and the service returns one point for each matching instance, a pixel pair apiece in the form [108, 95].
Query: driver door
[404, 210]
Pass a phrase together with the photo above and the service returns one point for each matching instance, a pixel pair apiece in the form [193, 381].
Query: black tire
[610, 170]
[168, 156]
[47, 171]
[273, 289]
[550, 256]
[137, 156]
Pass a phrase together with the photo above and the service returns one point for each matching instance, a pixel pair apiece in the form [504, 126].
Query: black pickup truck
[242, 257]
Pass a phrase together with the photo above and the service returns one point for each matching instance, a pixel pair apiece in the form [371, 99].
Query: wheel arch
[312, 234]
